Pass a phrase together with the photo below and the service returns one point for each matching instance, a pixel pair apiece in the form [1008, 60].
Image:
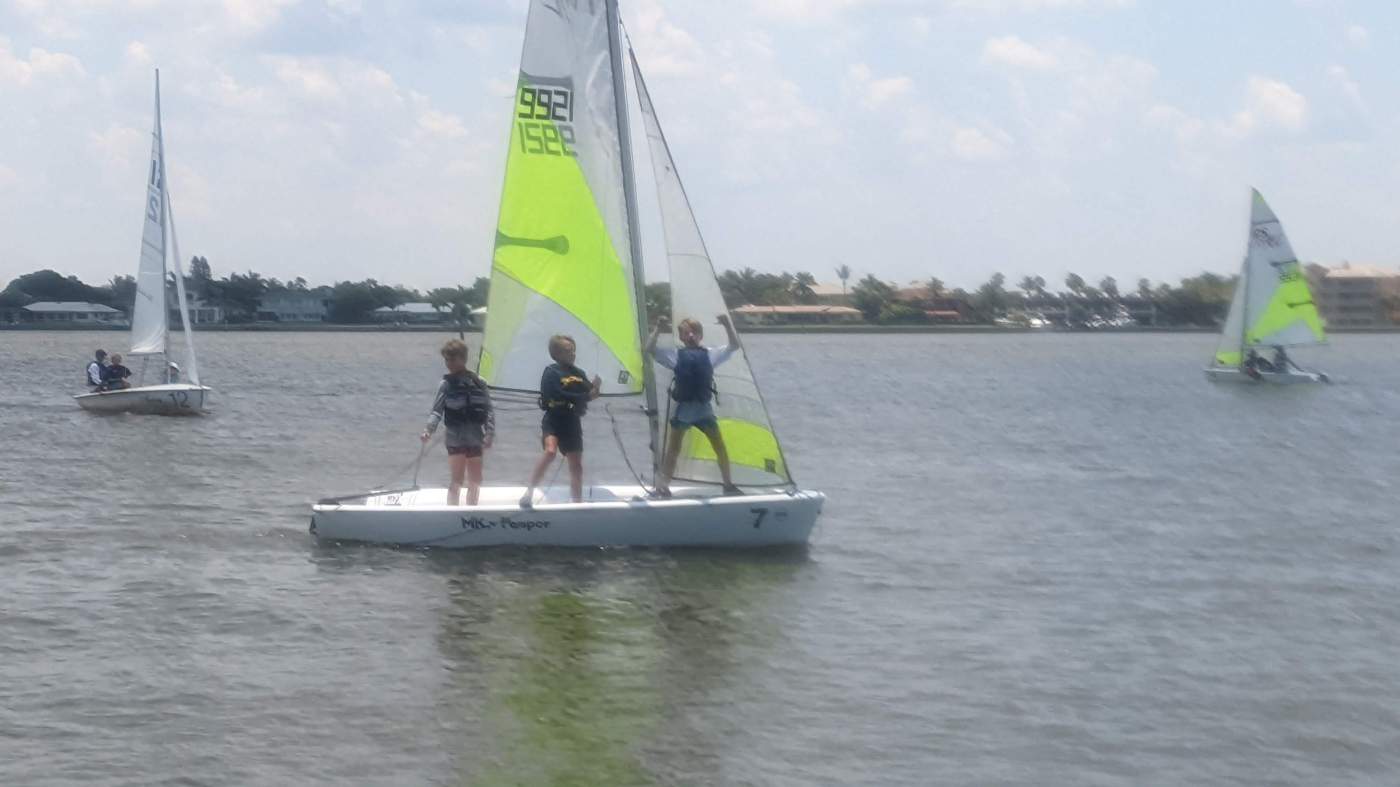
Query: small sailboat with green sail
[567, 260]
[1272, 309]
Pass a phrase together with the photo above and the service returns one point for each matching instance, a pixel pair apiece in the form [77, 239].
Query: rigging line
[622, 448]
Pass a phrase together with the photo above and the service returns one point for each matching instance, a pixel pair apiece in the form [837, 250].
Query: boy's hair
[116, 357]
[556, 344]
[694, 326]
[455, 348]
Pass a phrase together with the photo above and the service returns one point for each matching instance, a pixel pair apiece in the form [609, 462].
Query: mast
[165, 258]
[629, 190]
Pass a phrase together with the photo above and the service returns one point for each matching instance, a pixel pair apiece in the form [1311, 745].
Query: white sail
[1230, 352]
[563, 259]
[148, 315]
[1278, 308]
[755, 454]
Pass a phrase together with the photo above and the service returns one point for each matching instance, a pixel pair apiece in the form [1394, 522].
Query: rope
[622, 448]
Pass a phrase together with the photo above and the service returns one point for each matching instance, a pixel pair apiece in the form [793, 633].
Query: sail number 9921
[545, 118]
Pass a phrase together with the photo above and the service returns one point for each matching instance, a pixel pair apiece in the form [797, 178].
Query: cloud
[975, 144]
[1347, 85]
[1014, 52]
[40, 64]
[1269, 104]
[138, 53]
[873, 93]
[1359, 36]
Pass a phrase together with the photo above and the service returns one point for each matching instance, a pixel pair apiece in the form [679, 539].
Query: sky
[345, 139]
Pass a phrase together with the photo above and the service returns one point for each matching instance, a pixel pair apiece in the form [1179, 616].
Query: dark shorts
[566, 426]
[469, 451]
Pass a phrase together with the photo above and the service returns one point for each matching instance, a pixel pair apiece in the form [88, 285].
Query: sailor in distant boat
[95, 368]
[565, 392]
[693, 389]
[463, 404]
[1282, 362]
[172, 373]
[114, 376]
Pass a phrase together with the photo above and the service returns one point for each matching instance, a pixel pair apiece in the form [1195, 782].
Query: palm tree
[843, 272]
[801, 287]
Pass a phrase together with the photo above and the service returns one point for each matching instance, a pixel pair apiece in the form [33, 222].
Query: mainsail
[148, 316]
[755, 455]
[1272, 306]
[563, 257]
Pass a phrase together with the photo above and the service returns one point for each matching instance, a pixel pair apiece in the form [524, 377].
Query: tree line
[1199, 300]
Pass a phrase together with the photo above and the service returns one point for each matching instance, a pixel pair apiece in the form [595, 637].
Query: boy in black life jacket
[564, 396]
[693, 369]
[114, 375]
[463, 403]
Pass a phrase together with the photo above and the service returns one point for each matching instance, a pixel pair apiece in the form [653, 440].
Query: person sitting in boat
[1281, 361]
[95, 368]
[172, 372]
[693, 389]
[1254, 363]
[565, 392]
[463, 403]
[114, 376]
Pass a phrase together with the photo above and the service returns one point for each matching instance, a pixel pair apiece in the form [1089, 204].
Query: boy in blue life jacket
[692, 386]
[565, 392]
[463, 403]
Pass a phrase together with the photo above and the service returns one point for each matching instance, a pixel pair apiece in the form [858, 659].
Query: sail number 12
[545, 118]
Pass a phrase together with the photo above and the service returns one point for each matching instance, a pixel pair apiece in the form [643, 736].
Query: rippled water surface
[1045, 559]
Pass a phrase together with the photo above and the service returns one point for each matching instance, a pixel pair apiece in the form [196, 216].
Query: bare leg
[473, 480]
[721, 456]
[457, 463]
[575, 461]
[551, 450]
[668, 462]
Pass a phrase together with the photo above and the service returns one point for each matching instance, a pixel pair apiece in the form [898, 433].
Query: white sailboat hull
[612, 516]
[1229, 374]
[165, 399]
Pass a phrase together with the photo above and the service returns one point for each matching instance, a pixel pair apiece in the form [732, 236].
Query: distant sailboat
[1272, 308]
[567, 260]
[150, 315]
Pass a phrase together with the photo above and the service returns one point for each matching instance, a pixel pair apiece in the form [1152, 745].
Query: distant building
[832, 294]
[411, 314]
[295, 305]
[70, 312]
[795, 315]
[1356, 296]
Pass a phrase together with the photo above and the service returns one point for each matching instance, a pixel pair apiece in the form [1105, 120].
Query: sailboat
[150, 315]
[567, 260]
[1272, 308]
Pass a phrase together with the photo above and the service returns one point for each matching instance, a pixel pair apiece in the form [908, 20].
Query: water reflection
[589, 668]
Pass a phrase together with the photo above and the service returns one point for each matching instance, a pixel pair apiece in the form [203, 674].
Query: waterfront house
[411, 314]
[813, 314]
[71, 313]
[295, 305]
[1356, 296]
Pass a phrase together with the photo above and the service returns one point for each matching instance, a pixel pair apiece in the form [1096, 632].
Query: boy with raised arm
[463, 403]
[692, 386]
[565, 392]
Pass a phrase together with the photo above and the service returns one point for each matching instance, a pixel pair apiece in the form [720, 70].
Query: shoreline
[748, 329]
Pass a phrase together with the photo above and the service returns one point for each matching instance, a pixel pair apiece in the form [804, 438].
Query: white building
[71, 312]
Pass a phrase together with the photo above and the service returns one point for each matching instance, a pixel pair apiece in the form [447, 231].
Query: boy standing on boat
[693, 387]
[565, 392]
[463, 403]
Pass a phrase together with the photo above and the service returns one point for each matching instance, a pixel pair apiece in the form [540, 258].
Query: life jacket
[693, 379]
[570, 383]
[465, 401]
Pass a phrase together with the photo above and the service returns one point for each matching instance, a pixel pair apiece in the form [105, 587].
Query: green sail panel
[756, 457]
[561, 263]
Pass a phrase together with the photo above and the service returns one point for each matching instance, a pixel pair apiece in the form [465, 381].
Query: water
[1046, 559]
